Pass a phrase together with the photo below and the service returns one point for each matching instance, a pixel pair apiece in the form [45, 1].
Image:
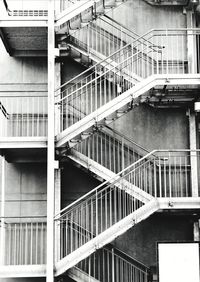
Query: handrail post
[113, 265]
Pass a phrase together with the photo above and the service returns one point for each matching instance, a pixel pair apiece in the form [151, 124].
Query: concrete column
[191, 43]
[2, 223]
[193, 155]
[50, 143]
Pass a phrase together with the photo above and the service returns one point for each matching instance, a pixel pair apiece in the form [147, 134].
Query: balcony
[24, 30]
[23, 115]
[23, 243]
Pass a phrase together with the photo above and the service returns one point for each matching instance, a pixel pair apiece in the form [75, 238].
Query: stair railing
[166, 38]
[103, 37]
[120, 71]
[161, 173]
[100, 87]
[111, 149]
[110, 264]
[85, 76]
[95, 212]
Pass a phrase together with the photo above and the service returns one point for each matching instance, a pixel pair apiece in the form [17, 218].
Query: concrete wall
[21, 70]
[155, 128]
[142, 17]
[26, 189]
[141, 241]
[75, 183]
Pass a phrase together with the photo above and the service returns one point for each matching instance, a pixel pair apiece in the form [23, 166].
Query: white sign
[178, 262]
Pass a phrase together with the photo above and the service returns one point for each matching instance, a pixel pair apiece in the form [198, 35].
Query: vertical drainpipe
[50, 148]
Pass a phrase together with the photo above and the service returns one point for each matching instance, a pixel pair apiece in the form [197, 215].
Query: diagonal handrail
[4, 111]
[116, 69]
[104, 83]
[160, 35]
[107, 60]
[103, 37]
[115, 255]
[104, 185]
[160, 160]
[104, 210]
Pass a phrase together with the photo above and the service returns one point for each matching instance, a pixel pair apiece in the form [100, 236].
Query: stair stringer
[73, 11]
[77, 9]
[106, 237]
[122, 100]
[110, 176]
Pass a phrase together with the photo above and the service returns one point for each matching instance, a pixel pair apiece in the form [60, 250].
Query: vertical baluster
[175, 187]
[96, 219]
[160, 178]
[170, 177]
[111, 205]
[186, 179]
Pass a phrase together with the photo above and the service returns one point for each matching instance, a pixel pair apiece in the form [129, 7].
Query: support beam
[2, 223]
[193, 155]
[50, 149]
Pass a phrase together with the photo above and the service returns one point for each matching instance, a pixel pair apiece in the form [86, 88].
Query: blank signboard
[178, 262]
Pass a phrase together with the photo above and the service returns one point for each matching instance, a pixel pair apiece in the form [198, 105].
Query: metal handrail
[152, 31]
[110, 247]
[117, 178]
[102, 61]
[116, 132]
[97, 77]
[113, 181]
[3, 110]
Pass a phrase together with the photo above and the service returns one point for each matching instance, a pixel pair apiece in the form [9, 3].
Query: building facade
[99, 137]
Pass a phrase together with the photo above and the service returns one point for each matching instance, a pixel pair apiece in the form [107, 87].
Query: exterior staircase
[97, 40]
[109, 264]
[111, 88]
[88, 103]
[123, 75]
[76, 14]
[109, 210]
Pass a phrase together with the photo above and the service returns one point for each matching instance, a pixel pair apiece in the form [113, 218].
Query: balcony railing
[23, 240]
[22, 8]
[23, 116]
[28, 13]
